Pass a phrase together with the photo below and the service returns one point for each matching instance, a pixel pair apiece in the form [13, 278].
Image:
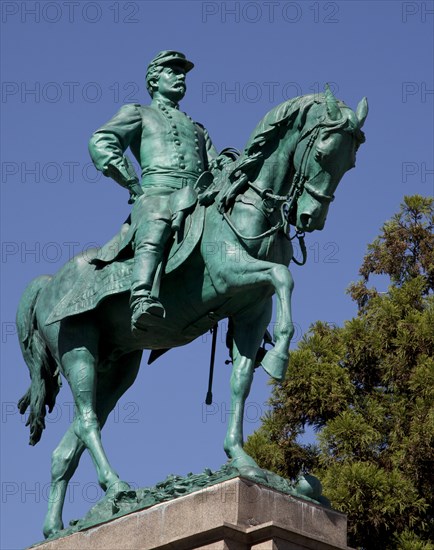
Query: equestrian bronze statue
[210, 237]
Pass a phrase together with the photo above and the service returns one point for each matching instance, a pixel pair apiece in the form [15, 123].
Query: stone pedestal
[234, 515]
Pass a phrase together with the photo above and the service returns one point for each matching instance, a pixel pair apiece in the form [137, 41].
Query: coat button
[182, 165]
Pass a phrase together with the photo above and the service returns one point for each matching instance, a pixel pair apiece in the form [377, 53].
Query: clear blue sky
[82, 62]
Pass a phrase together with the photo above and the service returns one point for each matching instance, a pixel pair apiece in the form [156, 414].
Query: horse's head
[325, 150]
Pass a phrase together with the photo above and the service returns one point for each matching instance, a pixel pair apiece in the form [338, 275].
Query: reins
[299, 184]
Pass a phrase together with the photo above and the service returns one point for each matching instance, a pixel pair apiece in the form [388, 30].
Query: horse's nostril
[305, 219]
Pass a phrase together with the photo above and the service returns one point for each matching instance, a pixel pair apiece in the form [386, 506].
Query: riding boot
[145, 306]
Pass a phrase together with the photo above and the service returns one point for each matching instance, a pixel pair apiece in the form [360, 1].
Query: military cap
[170, 57]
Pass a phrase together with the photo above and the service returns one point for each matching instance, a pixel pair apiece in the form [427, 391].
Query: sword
[208, 399]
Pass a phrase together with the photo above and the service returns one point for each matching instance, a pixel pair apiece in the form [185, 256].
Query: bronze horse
[287, 175]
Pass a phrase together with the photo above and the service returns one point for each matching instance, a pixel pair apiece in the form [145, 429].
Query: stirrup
[144, 311]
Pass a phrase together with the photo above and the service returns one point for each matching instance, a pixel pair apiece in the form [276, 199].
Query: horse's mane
[284, 116]
[280, 115]
[287, 112]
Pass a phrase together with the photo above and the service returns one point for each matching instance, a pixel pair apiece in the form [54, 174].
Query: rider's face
[171, 83]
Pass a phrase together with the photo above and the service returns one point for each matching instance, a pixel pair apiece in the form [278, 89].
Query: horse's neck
[277, 167]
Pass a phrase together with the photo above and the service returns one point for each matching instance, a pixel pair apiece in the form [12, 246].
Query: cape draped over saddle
[107, 271]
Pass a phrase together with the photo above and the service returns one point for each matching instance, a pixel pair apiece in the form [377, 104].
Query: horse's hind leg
[64, 462]
[79, 366]
[112, 384]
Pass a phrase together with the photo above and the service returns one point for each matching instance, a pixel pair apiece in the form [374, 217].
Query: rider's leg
[152, 220]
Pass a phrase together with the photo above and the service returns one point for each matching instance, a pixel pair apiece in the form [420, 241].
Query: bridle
[300, 183]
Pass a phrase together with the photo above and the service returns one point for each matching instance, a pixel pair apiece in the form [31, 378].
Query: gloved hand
[123, 172]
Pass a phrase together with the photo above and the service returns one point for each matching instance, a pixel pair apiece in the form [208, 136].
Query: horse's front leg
[275, 362]
[253, 274]
[248, 335]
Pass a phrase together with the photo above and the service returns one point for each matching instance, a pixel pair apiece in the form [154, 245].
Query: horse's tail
[45, 378]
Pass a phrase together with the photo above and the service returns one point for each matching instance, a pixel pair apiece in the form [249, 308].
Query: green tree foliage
[367, 388]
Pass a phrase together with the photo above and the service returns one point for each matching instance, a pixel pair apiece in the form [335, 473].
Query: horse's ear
[362, 111]
[333, 109]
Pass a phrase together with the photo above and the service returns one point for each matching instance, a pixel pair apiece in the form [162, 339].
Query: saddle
[107, 271]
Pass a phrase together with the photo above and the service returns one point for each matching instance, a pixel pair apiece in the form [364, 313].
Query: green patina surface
[91, 321]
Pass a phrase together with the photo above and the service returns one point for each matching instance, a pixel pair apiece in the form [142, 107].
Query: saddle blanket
[99, 280]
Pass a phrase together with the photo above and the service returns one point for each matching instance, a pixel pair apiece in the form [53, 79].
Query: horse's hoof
[249, 470]
[117, 487]
[122, 498]
[275, 364]
[52, 528]
[309, 486]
